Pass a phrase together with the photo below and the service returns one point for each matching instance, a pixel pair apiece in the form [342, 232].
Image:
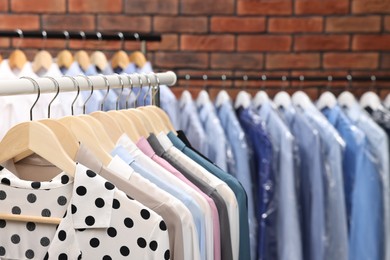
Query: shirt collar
[145, 147]
[157, 147]
[127, 143]
[176, 141]
[164, 141]
[120, 167]
[123, 153]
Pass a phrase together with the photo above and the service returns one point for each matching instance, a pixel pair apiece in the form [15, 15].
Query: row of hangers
[43, 59]
[58, 140]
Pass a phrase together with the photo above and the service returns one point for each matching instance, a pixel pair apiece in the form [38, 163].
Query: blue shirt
[289, 242]
[238, 165]
[336, 234]
[216, 140]
[310, 189]
[239, 192]
[187, 200]
[370, 196]
[169, 104]
[259, 141]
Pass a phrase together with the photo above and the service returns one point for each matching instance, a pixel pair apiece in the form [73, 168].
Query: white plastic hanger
[386, 102]
[346, 99]
[222, 98]
[282, 99]
[260, 98]
[326, 100]
[243, 99]
[203, 98]
[370, 99]
[301, 99]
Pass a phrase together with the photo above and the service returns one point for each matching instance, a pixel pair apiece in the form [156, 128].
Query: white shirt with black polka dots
[98, 220]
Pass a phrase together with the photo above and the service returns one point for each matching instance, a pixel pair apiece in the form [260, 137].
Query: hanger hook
[187, 77]
[245, 79]
[139, 92]
[122, 87]
[57, 86]
[205, 78]
[77, 85]
[44, 38]
[83, 37]
[67, 37]
[301, 81]
[136, 36]
[99, 36]
[36, 85]
[284, 80]
[264, 80]
[329, 85]
[156, 87]
[373, 82]
[90, 85]
[149, 88]
[21, 37]
[131, 90]
[107, 84]
[122, 37]
[224, 78]
[349, 78]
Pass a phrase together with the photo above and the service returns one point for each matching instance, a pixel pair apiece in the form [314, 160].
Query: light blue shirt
[369, 195]
[191, 125]
[336, 238]
[187, 200]
[238, 164]
[289, 234]
[169, 104]
[310, 172]
[218, 146]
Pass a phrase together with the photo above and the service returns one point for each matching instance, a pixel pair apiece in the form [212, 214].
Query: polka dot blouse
[98, 220]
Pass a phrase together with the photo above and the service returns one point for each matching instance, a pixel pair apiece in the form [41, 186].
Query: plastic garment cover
[336, 234]
[289, 244]
[310, 189]
[260, 144]
[238, 162]
[216, 139]
[377, 190]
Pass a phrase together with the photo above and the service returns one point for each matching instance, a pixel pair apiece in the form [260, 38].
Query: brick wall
[234, 37]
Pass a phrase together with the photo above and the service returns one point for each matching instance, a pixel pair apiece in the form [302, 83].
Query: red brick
[387, 23]
[170, 42]
[290, 60]
[38, 6]
[207, 42]
[95, 6]
[5, 43]
[351, 60]
[236, 24]
[143, 7]
[353, 24]
[164, 24]
[371, 6]
[264, 7]
[68, 22]
[295, 25]
[124, 23]
[39, 43]
[385, 61]
[23, 22]
[175, 60]
[322, 7]
[95, 45]
[366, 42]
[321, 42]
[3, 5]
[236, 61]
[264, 43]
[214, 7]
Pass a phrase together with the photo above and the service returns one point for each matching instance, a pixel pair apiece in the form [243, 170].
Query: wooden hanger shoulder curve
[135, 132]
[42, 60]
[120, 60]
[154, 119]
[64, 59]
[113, 129]
[17, 59]
[82, 59]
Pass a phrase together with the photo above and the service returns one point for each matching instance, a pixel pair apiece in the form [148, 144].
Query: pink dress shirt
[145, 147]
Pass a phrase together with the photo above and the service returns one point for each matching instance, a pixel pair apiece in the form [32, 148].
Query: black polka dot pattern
[99, 202]
[35, 185]
[90, 220]
[107, 257]
[62, 235]
[63, 257]
[145, 214]
[31, 198]
[91, 174]
[163, 226]
[45, 241]
[15, 239]
[16, 210]
[30, 226]
[109, 186]
[129, 222]
[74, 209]
[167, 255]
[46, 213]
[3, 195]
[81, 191]
[29, 254]
[62, 200]
[2, 251]
[64, 179]
[3, 223]
[6, 181]
[153, 245]
[125, 251]
[94, 242]
[111, 232]
[46, 256]
[141, 242]
[116, 204]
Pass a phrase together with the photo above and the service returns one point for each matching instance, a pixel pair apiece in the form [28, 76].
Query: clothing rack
[81, 35]
[24, 86]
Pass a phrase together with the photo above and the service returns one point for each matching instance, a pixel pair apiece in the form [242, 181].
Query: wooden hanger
[164, 117]
[138, 58]
[66, 138]
[42, 60]
[133, 130]
[154, 118]
[120, 60]
[100, 131]
[83, 59]
[64, 59]
[86, 136]
[139, 120]
[99, 59]
[17, 59]
[113, 129]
